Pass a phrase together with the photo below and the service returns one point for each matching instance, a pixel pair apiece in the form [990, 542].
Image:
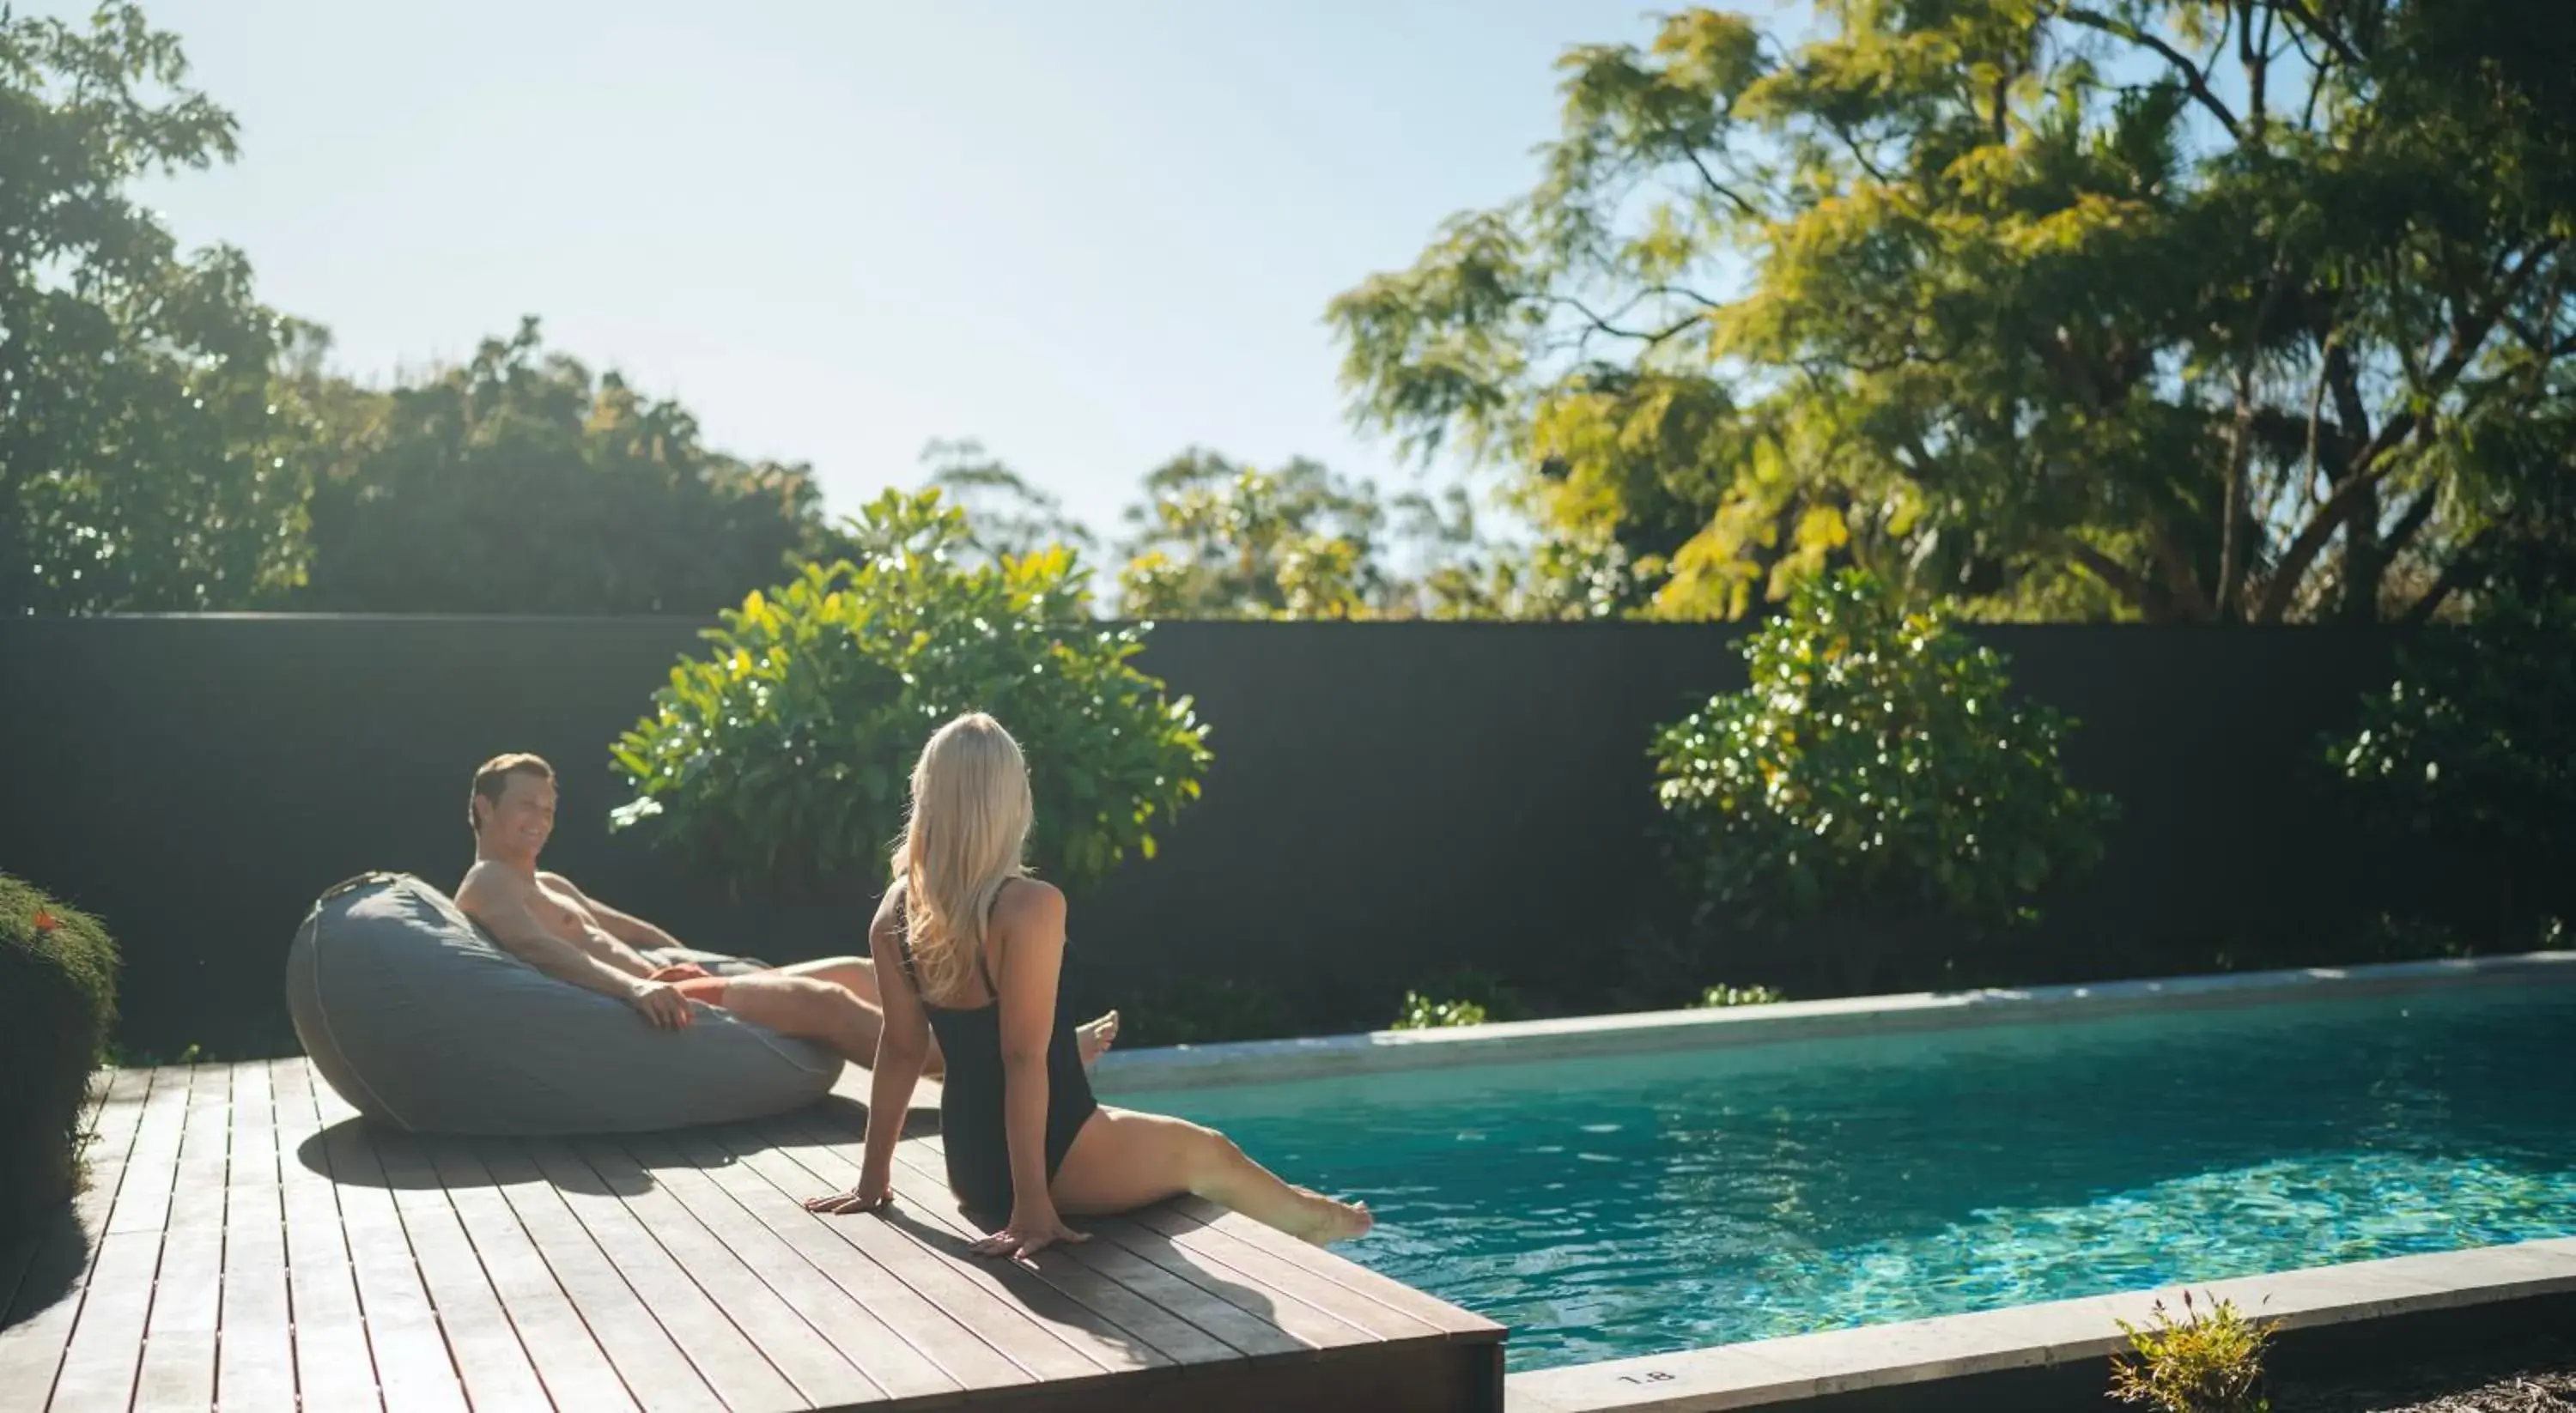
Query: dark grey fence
[1389, 802]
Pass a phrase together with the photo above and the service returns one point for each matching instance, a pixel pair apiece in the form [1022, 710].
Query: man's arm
[624, 927]
[503, 911]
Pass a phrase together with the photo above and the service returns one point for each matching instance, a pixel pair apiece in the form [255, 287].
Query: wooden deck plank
[414, 1370]
[1313, 1312]
[334, 1368]
[107, 1340]
[995, 1320]
[1303, 1322]
[821, 1374]
[1289, 1277]
[480, 1338]
[34, 1337]
[178, 1356]
[923, 1183]
[257, 1371]
[833, 1152]
[861, 1335]
[578, 1374]
[1351, 1276]
[152, 1164]
[952, 1346]
[834, 1165]
[1235, 1328]
[106, 1131]
[262, 1250]
[656, 1372]
[732, 1365]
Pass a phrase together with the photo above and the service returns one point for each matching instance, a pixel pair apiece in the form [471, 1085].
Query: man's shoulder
[495, 882]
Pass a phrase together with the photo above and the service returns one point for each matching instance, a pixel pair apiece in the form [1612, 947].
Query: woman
[979, 947]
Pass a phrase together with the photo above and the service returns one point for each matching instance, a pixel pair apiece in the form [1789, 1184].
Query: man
[545, 921]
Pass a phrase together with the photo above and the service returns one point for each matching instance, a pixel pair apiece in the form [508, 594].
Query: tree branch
[2193, 78]
[2411, 521]
[1750, 211]
[2126, 582]
[2179, 578]
[2463, 567]
[2332, 38]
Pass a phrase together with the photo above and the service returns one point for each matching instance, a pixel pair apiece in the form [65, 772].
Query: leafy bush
[2210, 1363]
[781, 755]
[1874, 767]
[1189, 1012]
[1420, 1012]
[2471, 753]
[1723, 995]
[57, 1005]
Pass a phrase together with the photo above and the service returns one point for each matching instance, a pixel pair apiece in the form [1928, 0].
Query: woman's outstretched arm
[903, 1046]
[1031, 931]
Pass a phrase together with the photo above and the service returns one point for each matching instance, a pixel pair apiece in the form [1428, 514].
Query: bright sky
[1087, 234]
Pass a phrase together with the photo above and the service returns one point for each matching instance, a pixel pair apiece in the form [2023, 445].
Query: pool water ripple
[1619, 1207]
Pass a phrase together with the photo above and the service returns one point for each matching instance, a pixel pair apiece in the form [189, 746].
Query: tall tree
[522, 483]
[2235, 310]
[1006, 514]
[1217, 539]
[143, 465]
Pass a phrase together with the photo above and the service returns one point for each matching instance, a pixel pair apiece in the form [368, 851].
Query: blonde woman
[980, 952]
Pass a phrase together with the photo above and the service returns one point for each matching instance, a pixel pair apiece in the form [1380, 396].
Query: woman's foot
[1091, 1038]
[1327, 1221]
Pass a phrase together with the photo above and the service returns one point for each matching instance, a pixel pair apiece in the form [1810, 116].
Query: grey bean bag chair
[420, 1021]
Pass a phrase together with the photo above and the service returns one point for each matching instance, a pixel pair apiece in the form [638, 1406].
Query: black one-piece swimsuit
[970, 1097]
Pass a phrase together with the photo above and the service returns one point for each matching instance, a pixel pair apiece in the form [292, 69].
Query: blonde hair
[964, 829]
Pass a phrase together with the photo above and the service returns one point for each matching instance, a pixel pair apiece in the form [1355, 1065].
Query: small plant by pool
[1619, 1206]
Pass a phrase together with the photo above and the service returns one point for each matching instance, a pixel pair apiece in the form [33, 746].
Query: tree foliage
[779, 756]
[2470, 756]
[520, 482]
[1875, 767]
[2159, 308]
[1006, 513]
[143, 465]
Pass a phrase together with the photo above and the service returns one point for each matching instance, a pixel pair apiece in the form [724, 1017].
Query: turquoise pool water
[1610, 1208]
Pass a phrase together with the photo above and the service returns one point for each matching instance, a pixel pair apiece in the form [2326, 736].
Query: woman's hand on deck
[866, 1197]
[1027, 1234]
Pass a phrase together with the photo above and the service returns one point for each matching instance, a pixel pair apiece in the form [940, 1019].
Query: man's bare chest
[561, 915]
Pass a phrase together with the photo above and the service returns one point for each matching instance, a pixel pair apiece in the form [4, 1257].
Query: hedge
[57, 1008]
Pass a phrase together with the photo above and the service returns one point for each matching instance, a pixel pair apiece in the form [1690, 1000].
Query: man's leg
[808, 1008]
[858, 976]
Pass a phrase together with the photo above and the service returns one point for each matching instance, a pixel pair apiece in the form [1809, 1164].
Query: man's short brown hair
[494, 778]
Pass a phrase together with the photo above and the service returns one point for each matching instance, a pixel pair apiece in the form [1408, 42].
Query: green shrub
[2207, 1363]
[57, 1006]
[1724, 995]
[2472, 752]
[1420, 1012]
[1470, 996]
[1188, 1012]
[1875, 768]
[780, 756]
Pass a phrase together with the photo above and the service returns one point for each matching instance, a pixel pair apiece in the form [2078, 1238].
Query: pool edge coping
[1146, 1071]
[1785, 1371]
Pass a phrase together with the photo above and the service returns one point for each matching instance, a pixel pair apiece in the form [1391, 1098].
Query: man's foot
[1327, 1221]
[1091, 1038]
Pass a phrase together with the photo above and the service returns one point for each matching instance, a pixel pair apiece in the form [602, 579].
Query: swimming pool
[1611, 1207]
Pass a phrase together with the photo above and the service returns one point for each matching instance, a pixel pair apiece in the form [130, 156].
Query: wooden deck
[246, 1244]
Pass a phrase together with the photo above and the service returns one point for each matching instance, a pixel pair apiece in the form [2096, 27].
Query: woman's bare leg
[1123, 1160]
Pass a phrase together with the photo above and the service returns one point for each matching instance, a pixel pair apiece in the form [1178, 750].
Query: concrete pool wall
[1136, 1072]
